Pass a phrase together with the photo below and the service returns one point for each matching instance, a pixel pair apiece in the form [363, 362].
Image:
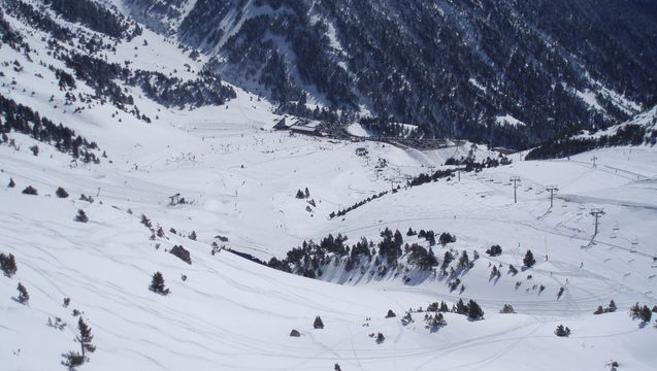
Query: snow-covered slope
[239, 180]
[232, 314]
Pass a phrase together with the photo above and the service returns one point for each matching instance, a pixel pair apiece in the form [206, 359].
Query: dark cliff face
[451, 67]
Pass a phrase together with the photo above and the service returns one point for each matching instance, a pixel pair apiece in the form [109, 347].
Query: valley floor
[232, 314]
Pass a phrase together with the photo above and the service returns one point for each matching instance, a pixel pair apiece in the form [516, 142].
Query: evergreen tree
[146, 222]
[562, 331]
[380, 338]
[407, 319]
[390, 314]
[475, 312]
[23, 296]
[61, 192]
[81, 217]
[318, 324]
[494, 250]
[464, 260]
[29, 190]
[645, 314]
[507, 308]
[8, 264]
[560, 293]
[447, 259]
[72, 360]
[85, 337]
[494, 273]
[11, 184]
[529, 260]
[460, 307]
[157, 284]
[435, 322]
[612, 306]
[446, 238]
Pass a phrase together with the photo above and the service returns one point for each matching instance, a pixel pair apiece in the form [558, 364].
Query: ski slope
[232, 314]
[240, 179]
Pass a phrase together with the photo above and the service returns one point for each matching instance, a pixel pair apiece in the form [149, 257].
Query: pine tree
[475, 312]
[635, 310]
[560, 293]
[11, 184]
[464, 260]
[562, 331]
[81, 217]
[23, 296]
[529, 260]
[446, 238]
[85, 338]
[306, 193]
[447, 259]
[390, 314]
[507, 308]
[8, 264]
[645, 314]
[494, 250]
[612, 306]
[61, 192]
[318, 324]
[146, 222]
[29, 190]
[435, 322]
[72, 360]
[380, 338]
[157, 284]
[460, 307]
[407, 319]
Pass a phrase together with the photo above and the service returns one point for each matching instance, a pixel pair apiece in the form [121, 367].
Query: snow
[357, 130]
[509, 120]
[589, 97]
[476, 84]
[240, 178]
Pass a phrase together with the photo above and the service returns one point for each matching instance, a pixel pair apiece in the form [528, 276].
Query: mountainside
[454, 68]
[152, 218]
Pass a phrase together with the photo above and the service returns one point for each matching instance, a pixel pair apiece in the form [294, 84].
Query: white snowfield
[240, 178]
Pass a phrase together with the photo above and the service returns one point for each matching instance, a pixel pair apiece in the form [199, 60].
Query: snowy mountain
[152, 219]
[452, 67]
